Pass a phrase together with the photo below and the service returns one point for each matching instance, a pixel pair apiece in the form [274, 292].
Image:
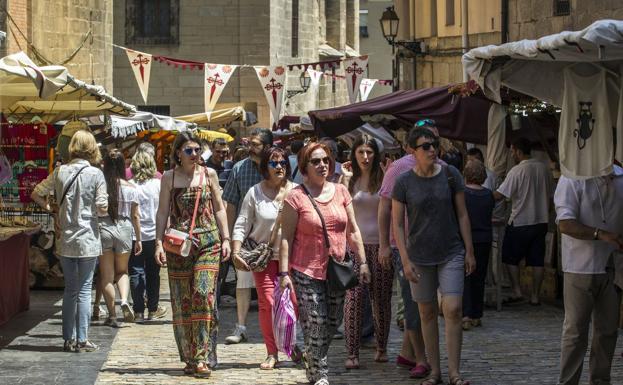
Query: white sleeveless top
[366, 206]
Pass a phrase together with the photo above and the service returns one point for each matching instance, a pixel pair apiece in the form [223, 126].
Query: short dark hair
[219, 142]
[332, 144]
[417, 133]
[296, 146]
[475, 152]
[266, 155]
[265, 135]
[523, 145]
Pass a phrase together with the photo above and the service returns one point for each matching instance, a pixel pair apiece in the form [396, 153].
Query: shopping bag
[284, 320]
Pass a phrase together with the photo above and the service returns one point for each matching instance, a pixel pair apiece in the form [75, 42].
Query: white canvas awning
[121, 127]
[216, 117]
[50, 92]
[388, 143]
[534, 67]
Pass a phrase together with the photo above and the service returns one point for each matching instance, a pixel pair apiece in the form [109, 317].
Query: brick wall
[20, 12]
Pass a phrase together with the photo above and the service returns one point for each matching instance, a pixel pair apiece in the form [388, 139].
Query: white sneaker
[239, 335]
[128, 313]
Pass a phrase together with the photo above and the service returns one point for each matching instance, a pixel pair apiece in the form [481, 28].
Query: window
[159, 110]
[562, 7]
[152, 21]
[363, 23]
[449, 12]
[295, 28]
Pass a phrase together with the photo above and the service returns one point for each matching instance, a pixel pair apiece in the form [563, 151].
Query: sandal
[269, 363]
[297, 355]
[380, 356]
[189, 368]
[457, 381]
[202, 370]
[431, 381]
[352, 362]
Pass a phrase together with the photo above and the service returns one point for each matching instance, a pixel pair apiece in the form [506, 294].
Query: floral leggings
[381, 297]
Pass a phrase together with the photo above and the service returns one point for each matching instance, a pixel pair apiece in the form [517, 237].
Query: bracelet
[283, 274]
[228, 239]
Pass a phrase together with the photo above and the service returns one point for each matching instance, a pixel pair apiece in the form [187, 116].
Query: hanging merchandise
[365, 88]
[354, 68]
[6, 171]
[585, 137]
[315, 77]
[273, 80]
[216, 78]
[141, 66]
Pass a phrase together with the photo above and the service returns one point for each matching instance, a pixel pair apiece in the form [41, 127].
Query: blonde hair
[84, 146]
[143, 166]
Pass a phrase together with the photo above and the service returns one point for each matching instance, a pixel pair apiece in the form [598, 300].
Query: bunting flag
[273, 81]
[365, 87]
[216, 78]
[354, 69]
[141, 66]
[315, 77]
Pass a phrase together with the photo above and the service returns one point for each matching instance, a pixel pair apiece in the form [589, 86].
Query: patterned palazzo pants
[320, 312]
[192, 282]
[381, 297]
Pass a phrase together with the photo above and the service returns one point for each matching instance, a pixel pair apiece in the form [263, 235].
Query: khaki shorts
[116, 237]
[244, 280]
[447, 277]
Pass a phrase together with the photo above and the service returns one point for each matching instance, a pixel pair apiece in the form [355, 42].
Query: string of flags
[272, 78]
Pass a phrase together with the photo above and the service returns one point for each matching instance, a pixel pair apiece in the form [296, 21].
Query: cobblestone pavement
[519, 345]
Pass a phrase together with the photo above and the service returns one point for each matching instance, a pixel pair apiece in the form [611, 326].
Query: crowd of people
[424, 218]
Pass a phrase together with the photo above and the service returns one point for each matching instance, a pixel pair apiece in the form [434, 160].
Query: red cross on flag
[141, 66]
[215, 80]
[273, 81]
[365, 87]
[354, 69]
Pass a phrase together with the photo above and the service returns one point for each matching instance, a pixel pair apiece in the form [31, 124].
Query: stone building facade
[371, 41]
[257, 32]
[56, 28]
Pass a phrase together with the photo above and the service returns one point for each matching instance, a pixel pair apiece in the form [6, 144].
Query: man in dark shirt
[218, 161]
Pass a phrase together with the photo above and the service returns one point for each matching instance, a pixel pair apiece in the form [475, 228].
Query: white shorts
[244, 280]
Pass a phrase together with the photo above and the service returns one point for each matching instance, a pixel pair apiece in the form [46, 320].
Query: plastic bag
[284, 320]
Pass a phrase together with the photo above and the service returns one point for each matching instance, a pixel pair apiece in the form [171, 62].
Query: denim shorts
[412, 313]
[447, 277]
[116, 237]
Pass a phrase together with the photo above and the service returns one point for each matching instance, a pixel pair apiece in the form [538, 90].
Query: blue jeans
[411, 312]
[144, 275]
[78, 274]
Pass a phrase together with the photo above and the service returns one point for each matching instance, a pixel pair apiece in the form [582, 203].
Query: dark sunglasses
[316, 161]
[425, 122]
[224, 152]
[426, 146]
[274, 163]
[192, 150]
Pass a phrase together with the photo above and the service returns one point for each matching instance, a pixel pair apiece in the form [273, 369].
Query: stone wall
[531, 19]
[380, 59]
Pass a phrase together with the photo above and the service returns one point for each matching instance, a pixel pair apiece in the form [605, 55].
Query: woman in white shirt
[258, 215]
[363, 177]
[144, 271]
[116, 233]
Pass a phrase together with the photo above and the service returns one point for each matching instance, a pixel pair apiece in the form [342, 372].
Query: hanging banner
[354, 69]
[272, 79]
[315, 77]
[216, 78]
[141, 66]
[365, 87]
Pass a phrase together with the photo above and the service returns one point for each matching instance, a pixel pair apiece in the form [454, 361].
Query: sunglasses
[426, 146]
[425, 122]
[192, 150]
[274, 163]
[316, 161]
[224, 152]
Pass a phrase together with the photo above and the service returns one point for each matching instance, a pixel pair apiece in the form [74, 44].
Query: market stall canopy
[535, 67]
[216, 117]
[121, 127]
[388, 142]
[210, 135]
[460, 118]
[50, 92]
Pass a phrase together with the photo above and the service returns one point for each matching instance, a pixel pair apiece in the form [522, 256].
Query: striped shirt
[244, 175]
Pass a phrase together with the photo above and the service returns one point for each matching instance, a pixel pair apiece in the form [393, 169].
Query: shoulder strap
[450, 177]
[296, 170]
[199, 192]
[73, 179]
[324, 226]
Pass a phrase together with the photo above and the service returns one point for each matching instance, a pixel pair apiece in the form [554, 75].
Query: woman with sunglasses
[304, 258]
[259, 214]
[363, 176]
[192, 279]
[438, 252]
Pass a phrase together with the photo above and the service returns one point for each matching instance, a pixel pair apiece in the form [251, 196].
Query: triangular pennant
[273, 81]
[354, 68]
[315, 77]
[141, 66]
[215, 80]
[365, 87]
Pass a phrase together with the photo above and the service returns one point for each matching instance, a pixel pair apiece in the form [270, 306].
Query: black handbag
[341, 276]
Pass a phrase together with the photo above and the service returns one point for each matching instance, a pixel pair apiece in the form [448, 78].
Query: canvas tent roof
[50, 92]
[216, 117]
[534, 67]
[461, 118]
[388, 143]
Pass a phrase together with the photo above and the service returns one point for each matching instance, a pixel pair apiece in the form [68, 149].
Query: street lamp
[305, 81]
[389, 24]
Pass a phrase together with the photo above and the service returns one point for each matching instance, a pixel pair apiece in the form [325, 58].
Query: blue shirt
[244, 175]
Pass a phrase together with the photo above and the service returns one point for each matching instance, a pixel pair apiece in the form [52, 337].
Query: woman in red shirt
[303, 252]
